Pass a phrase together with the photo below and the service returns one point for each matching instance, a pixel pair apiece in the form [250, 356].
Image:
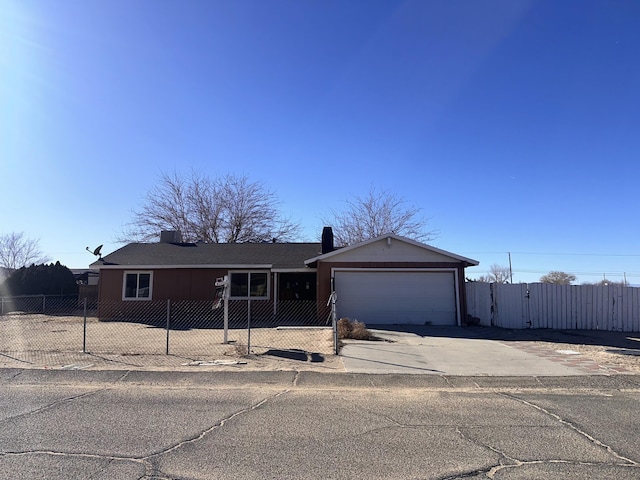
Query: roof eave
[238, 266]
[324, 256]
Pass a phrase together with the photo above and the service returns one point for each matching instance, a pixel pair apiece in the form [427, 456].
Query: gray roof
[278, 255]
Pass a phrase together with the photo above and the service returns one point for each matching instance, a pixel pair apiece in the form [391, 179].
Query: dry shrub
[360, 331]
[344, 328]
[353, 329]
[237, 350]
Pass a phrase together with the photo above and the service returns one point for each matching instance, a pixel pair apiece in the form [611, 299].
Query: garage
[393, 280]
[380, 296]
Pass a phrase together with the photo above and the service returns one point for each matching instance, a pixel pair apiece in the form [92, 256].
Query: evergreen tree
[53, 279]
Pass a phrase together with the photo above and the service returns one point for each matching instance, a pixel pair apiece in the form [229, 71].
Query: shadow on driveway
[619, 340]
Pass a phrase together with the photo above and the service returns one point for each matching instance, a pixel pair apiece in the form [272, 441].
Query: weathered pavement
[479, 351]
[225, 425]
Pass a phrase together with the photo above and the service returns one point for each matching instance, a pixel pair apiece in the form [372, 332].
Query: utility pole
[510, 269]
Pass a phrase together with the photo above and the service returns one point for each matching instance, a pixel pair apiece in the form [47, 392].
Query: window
[137, 286]
[253, 285]
[296, 286]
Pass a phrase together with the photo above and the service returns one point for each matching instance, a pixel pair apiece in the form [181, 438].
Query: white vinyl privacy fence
[540, 305]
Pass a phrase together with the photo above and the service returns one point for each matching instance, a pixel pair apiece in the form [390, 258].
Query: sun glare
[21, 50]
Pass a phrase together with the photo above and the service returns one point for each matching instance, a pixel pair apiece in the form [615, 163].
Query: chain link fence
[181, 328]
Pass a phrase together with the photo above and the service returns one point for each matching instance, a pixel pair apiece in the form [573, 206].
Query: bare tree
[558, 278]
[497, 274]
[229, 209]
[609, 283]
[375, 214]
[16, 251]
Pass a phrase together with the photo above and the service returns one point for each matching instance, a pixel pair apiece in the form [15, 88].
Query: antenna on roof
[96, 252]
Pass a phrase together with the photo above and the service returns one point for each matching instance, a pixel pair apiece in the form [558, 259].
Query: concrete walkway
[455, 351]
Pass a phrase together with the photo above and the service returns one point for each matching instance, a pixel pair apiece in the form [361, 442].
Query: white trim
[124, 285]
[392, 269]
[388, 236]
[295, 270]
[249, 272]
[400, 270]
[171, 267]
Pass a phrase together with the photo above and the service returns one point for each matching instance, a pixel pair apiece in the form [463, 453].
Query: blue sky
[512, 124]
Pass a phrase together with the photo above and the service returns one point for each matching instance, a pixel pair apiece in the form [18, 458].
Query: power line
[573, 272]
[560, 254]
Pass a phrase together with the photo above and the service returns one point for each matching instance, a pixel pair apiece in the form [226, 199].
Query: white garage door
[375, 297]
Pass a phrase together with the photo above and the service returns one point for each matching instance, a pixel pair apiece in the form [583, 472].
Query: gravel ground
[617, 349]
[601, 354]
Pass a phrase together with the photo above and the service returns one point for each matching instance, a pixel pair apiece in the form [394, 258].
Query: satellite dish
[96, 252]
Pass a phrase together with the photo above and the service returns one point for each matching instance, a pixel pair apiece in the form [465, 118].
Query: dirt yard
[612, 349]
[60, 334]
[626, 358]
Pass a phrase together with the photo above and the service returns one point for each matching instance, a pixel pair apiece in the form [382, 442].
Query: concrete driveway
[460, 351]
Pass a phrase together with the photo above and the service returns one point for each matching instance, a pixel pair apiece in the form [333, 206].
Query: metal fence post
[248, 327]
[168, 323]
[84, 332]
[334, 323]
[226, 320]
[43, 303]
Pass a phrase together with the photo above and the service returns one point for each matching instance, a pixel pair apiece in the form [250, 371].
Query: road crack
[215, 426]
[13, 377]
[151, 471]
[496, 469]
[92, 456]
[53, 404]
[491, 470]
[16, 359]
[575, 428]
[509, 462]
[446, 379]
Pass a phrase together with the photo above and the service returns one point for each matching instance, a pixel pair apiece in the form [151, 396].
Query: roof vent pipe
[327, 240]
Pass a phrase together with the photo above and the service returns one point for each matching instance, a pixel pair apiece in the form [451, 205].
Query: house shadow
[627, 343]
[203, 322]
[296, 354]
[177, 325]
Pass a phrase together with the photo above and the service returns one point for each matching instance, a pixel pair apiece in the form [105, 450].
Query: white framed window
[137, 285]
[249, 285]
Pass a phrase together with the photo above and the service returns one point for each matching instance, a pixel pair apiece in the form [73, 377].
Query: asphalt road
[256, 425]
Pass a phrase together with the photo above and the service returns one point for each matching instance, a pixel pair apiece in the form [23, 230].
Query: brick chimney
[327, 240]
[170, 236]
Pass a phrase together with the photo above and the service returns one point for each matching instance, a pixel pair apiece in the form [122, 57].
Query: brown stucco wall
[175, 284]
